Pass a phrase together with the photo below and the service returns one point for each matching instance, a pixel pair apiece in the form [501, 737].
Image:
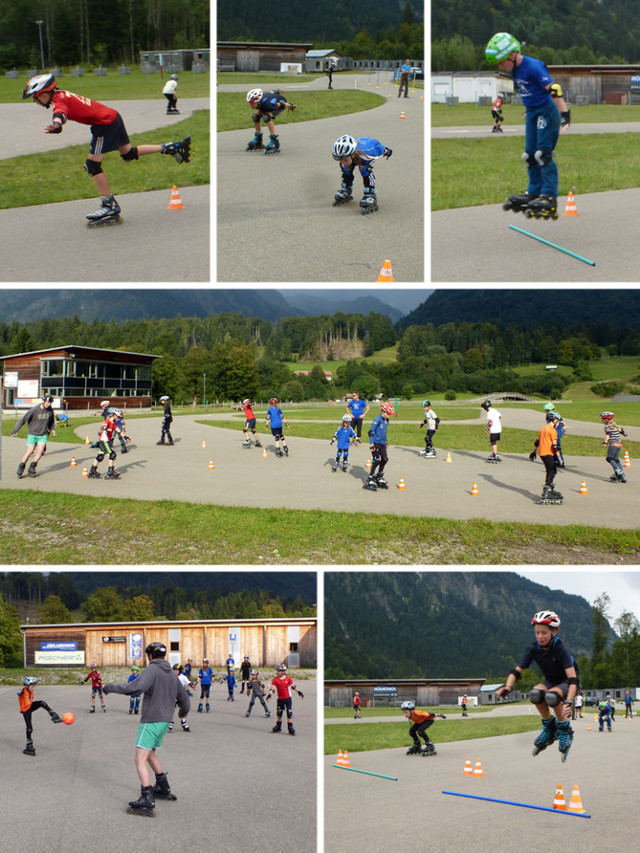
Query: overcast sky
[623, 587]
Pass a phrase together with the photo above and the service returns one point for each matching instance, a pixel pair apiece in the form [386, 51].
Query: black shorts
[108, 137]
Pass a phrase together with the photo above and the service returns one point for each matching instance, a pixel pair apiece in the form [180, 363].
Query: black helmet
[47, 398]
[486, 405]
[156, 650]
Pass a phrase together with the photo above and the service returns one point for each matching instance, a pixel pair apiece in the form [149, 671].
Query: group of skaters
[164, 689]
[40, 422]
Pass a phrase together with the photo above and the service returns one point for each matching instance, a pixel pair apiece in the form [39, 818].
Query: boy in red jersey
[284, 684]
[105, 446]
[249, 424]
[421, 721]
[108, 133]
[96, 687]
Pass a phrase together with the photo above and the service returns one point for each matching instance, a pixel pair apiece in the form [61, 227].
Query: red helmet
[39, 83]
[387, 408]
[274, 401]
[546, 617]
[606, 416]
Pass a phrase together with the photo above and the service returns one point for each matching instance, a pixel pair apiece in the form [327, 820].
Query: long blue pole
[554, 246]
[524, 805]
[368, 772]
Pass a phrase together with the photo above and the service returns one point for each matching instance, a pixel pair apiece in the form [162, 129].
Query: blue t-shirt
[532, 78]
[344, 435]
[205, 675]
[271, 103]
[378, 430]
[275, 416]
[552, 661]
[357, 407]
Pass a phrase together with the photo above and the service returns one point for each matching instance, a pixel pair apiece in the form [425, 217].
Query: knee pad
[543, 157]
[289, 714]
[99, 457]
[529, 158]
[536, 695]
[256, 117]
[552, 698]
[112, 455]
[132, 154]
[92, 167]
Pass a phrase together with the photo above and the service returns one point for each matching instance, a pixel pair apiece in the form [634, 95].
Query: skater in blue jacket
[545, 112]
[344, 435]
[361, 152]
[205, 676]
[357, 408]
[267, 107]
[378, 448]
[275, 419]
[553, 697]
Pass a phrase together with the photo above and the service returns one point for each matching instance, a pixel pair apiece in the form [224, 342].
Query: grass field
[347, 713]
[51, 528]
[498, 170]
[112, 86]
[56, 176]
[369, 736]
[234, 113]
[474, 115]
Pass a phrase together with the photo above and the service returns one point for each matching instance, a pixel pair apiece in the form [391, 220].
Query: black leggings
[27, 715]
[379, 459]
[421, 730]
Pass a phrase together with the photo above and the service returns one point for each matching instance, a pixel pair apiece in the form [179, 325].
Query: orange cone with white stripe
[176, 201]
[474, 491]
[627, 459]
[345, 759]
[386, 273]
[575, 803]
[368, 463]
[468, 769]
[73, 461]
[477, 770]
[402, 115]
[85, 471]
[571, 209]
[211, 465]
[87, 440]
[204, 444]
[583, 488]
[558, 800]
[448, 459]
[401, 484]
[340, 759]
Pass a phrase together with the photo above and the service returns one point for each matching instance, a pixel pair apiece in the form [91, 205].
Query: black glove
[54, 128]
[387, 152]
[126, 438]
[565, 118]
[292, 107]
[301, 694]
[532, 456]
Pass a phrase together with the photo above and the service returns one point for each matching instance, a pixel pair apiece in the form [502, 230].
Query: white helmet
[246, 402]
[164, 399]
[408, 706]
[39, 83]
[546, 617]
[254, 95]
[343, 147]
[347, 419]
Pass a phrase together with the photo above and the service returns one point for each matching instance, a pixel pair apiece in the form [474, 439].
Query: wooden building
[260, 56]
[78, 378]
[425, 692]
[268, 642]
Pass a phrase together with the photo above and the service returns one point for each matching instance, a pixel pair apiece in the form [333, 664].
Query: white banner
[59, 657]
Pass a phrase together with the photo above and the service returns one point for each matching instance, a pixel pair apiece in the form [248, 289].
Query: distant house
[261, 56]
[322, 60]
[172, 61]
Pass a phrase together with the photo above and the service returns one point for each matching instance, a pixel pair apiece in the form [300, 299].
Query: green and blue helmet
[500, 46]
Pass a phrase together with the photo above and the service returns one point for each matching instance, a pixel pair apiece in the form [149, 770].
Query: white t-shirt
[170, 87]
[494, 420]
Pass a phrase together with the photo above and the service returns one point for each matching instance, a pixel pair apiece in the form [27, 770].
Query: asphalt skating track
[276, 221]
[365, 812]
[240, 788]
[243, 477]
[152, 243]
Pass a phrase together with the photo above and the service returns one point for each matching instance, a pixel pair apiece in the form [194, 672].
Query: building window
[293, 647]
[175, 646]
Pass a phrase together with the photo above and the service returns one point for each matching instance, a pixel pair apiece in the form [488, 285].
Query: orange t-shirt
[421, 716]
[25, 697]
[547, 438]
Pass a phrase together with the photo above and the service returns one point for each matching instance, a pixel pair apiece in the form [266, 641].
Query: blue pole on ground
[554, 246]
[523, 805]
[353, 769]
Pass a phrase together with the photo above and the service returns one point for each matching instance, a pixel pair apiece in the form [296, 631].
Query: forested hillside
[556, 31]
[440, 624]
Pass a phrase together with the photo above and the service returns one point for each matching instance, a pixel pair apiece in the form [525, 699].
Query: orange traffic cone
[87, 440]
[345, 759]
[386, 273]
[448, 459]
[588, 727]
[571, 209]
[204, 444]
[264, 453]
[468, 769]
[73, 461]
[368, 463]
[474, 491]
[340, 759]
[478, 769]
[85, 471]
[558, 800]
[211, 465]
[627, 459]
[583, 488]
[401, 484]
[575, 803]
[402, 115]
[176, 201]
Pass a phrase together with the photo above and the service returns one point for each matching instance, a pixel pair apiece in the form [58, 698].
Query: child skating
[205, 677]
[105, 446]
[361, 152]
[546, 447]
[275, 419]
[344, 435]
[497, 115]
[421, 720]
[134, 698]
[231, 680]
[96, 688]
[108, 133]
[554, 696]
[432, 421]
[249, 424]
[378, 448]
[255, 689]
[167, 420]
[613, 443]
[283, 684]
[493, 430]
[561, 430]
[267, 107]
[28, 706]
[169, 91]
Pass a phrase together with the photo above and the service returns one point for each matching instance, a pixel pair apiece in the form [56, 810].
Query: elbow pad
[60, 116]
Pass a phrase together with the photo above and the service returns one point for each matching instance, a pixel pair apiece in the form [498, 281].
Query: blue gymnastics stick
[524, 805]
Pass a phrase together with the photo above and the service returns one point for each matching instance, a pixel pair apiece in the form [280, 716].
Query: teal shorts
[37, 439]
[151, 735]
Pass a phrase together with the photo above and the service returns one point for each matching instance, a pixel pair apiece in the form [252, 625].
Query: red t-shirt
[80, 109]
[96, 678]
[107, 430]
[248, 412]
[283, 686]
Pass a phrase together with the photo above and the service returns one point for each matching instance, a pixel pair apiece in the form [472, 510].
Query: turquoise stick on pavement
[554, 246]
[368, 772]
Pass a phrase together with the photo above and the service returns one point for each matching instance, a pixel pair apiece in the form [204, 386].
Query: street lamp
[40, 23]
[204, 389]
